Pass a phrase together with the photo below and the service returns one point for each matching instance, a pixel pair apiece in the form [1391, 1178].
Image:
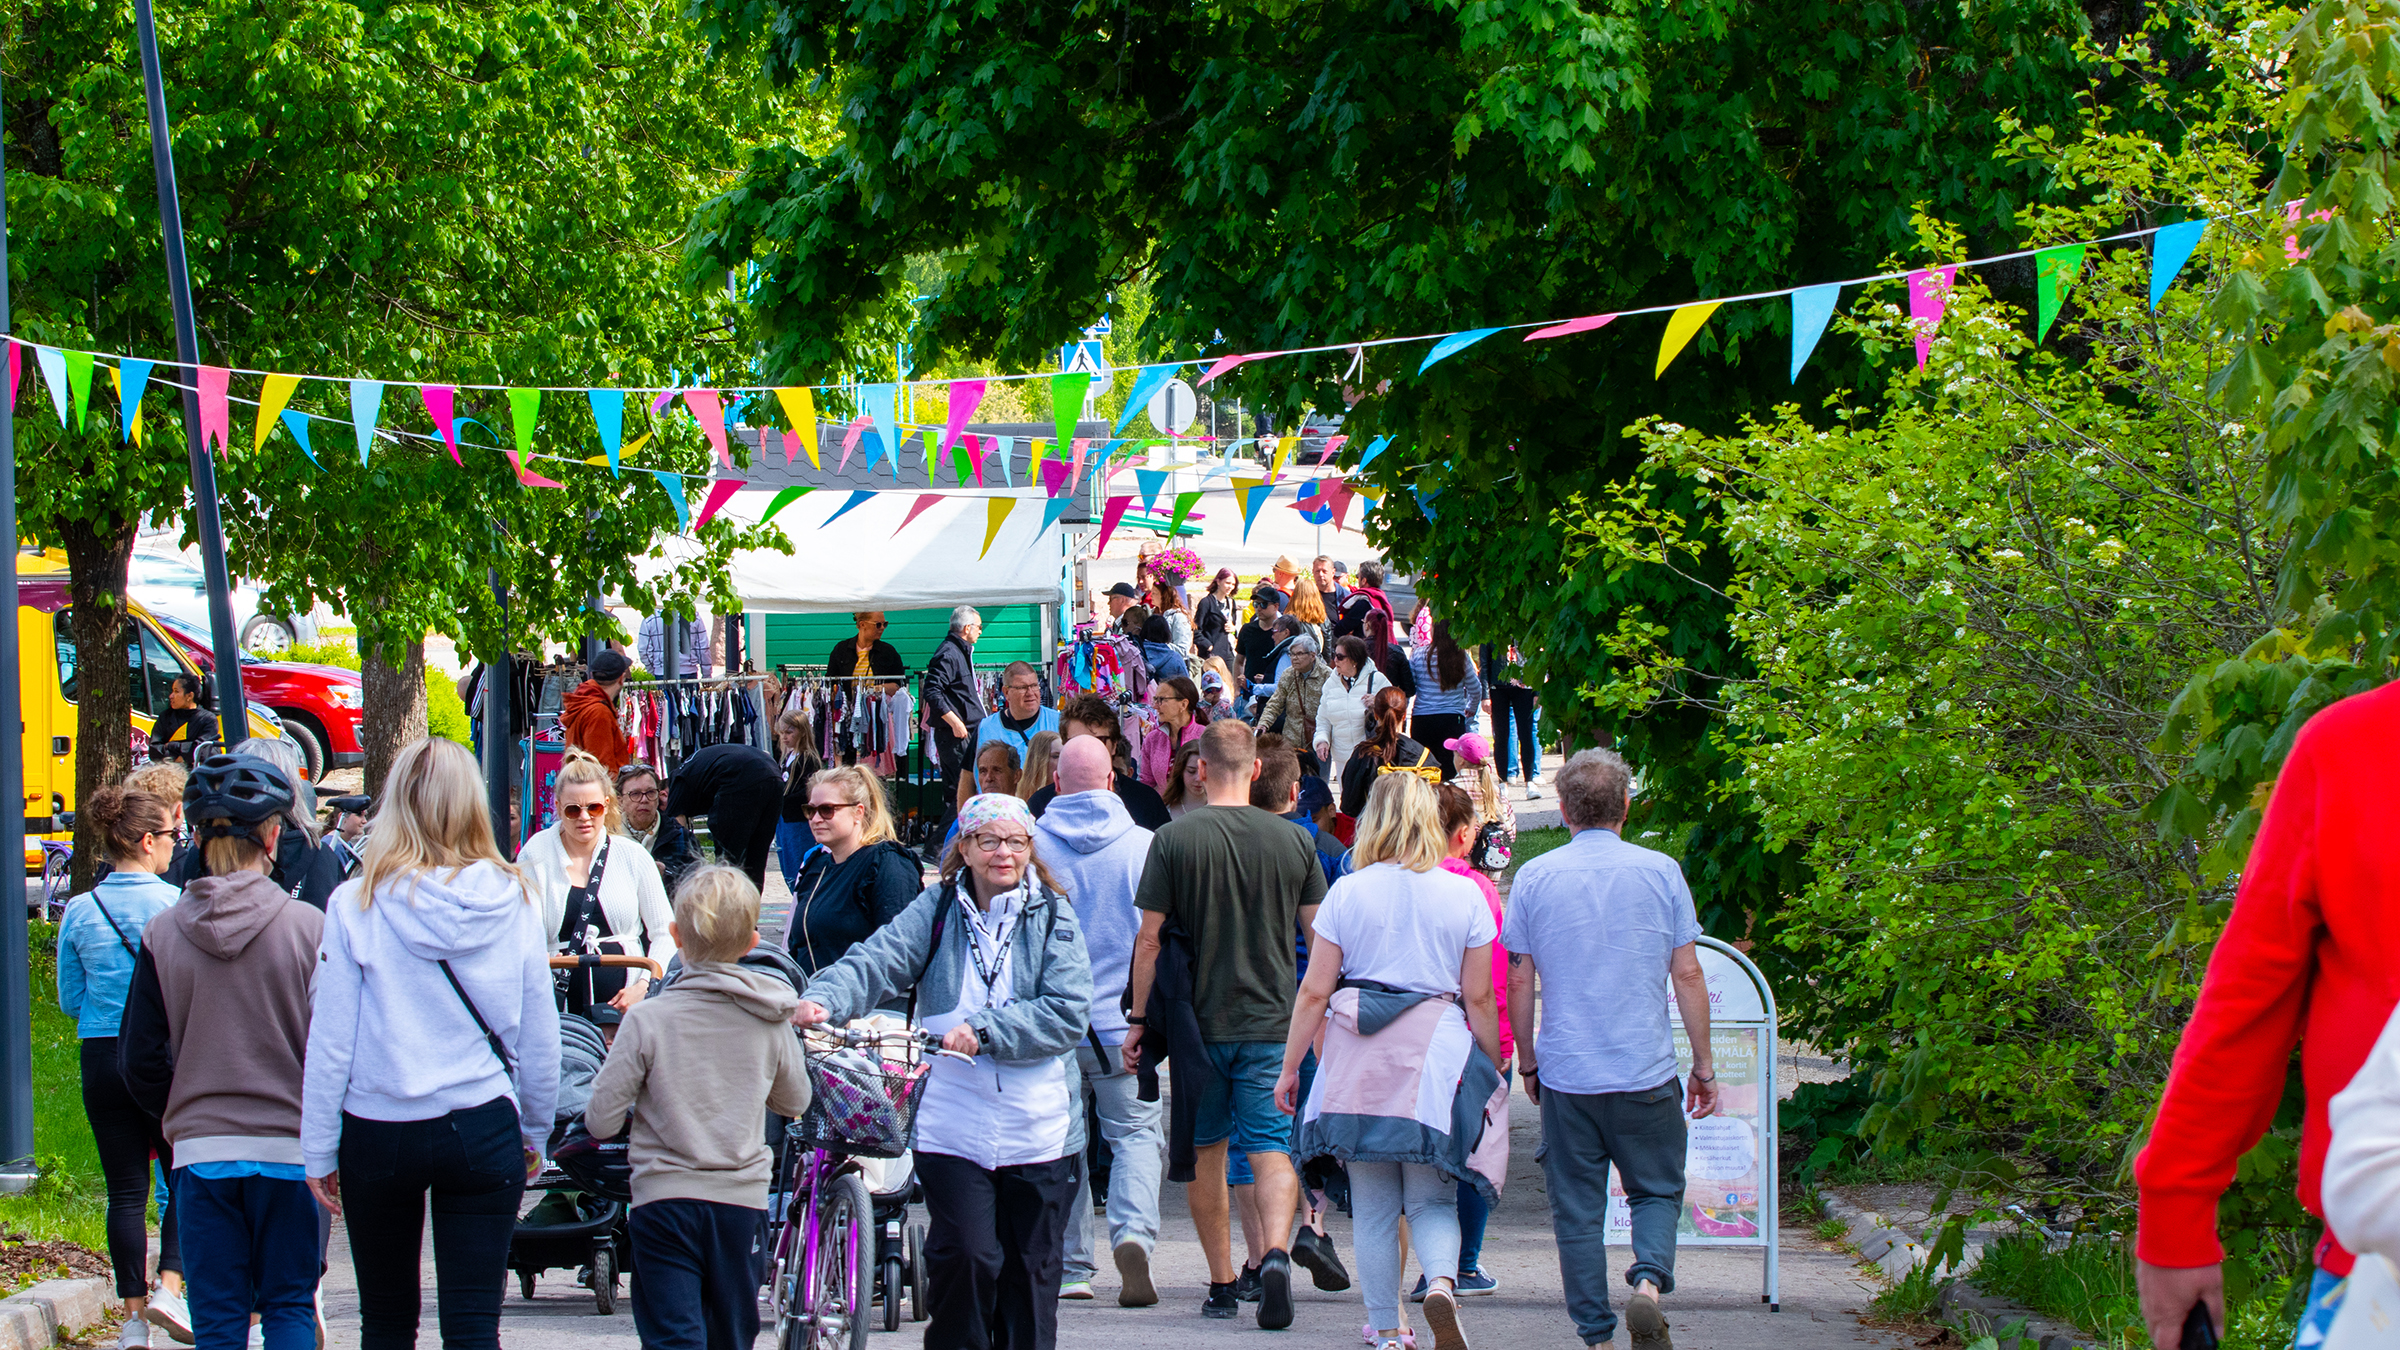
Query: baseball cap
[610, 666]
[1124, 590]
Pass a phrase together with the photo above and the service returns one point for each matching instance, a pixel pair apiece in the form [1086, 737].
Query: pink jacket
[1491, 896]
[1159, 745]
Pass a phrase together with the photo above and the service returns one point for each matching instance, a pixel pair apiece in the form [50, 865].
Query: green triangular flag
[933, 455]
[524, 409]
[785, 498]
[962, 461]
[1184, 502]
[2054, 271]
[1066, 402]
[79, 381]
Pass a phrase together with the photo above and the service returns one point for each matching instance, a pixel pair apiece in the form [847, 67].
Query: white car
[168, 583]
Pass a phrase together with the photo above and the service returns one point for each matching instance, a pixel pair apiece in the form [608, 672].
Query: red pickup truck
[319, 705]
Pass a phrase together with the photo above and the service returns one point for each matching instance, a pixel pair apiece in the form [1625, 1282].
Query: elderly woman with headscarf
[1297, 695]
[990, 958]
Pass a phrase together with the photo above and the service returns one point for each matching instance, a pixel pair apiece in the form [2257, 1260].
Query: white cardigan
[1342, 716]
[632, 894]
[2362, 1166]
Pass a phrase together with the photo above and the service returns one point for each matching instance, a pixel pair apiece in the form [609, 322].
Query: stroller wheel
[893, 1279]
[604, 1279]
[525, 1280]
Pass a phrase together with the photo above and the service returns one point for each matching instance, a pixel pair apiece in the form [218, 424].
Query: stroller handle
[588, 960]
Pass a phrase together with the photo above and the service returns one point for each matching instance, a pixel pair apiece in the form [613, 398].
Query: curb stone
[1959, 1305]
[32, 1320]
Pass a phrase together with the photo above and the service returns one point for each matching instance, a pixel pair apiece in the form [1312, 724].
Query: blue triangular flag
[882, 403]
[1425, 502]
[1373, 450]
[2170, 249]
[673, 483]
[1051, 511]
[1145, 384]
[1252, 499]
[608, 413]
[366, 404]
[297, 424]
[858, 498]
[1453, 345]
[1811, 307]
[54, 374]
[1152, 482]
[135, 377]
[1004, 447]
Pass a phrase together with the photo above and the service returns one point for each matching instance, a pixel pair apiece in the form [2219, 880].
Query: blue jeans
[250, 1245]
[694, 1287]
[1241, 1106]
[792, 840]
[1643, 1133]
[2325, 1290]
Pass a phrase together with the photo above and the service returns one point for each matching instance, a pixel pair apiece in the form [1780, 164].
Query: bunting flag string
[79, 385]
[965, 397]
[273, 394]
[924, 500]
[800, 408]
[858, 497]
[1184, 502]
[1811, 307]
[1110, 514]
[1146, 384]
[705, 408]
[1066, 405]
[1682, 326]
[1153, 482]
[608, 414]
[673, 483]
[2170, 251]
[297, 424]
[1051, 511]
[440, 405]
[215, 416]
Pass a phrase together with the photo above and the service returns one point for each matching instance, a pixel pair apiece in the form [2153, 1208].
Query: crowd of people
[1273, 894]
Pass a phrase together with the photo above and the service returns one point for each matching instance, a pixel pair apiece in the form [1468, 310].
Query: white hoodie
[2362, 1165]
[389, 1039]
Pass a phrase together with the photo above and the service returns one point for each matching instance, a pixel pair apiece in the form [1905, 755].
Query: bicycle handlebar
[589, 960]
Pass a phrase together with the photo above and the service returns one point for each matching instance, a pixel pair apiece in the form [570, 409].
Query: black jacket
[839, 904]
[1142, 802]
[1258, 648]
[178, 730]
[1212, 629]
[1171, 1035]
[795, 785]
[950, 685]
[1358, 776]
[883, 658]
[307, 872]
[718, 775]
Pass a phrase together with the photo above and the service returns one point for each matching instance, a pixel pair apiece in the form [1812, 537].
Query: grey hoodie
[1096, 851]
[391, 1040]
[699, 1065]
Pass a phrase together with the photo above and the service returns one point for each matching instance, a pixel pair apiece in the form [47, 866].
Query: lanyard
[989, 972]
[579, 922]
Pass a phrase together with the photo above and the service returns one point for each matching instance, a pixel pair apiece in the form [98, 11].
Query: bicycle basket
[862, 1103]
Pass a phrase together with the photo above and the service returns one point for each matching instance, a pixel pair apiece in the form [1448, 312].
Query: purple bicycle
[866, 1083]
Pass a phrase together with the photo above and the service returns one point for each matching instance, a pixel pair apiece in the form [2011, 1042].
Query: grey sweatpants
[1380, 1192]
[1643, 1134]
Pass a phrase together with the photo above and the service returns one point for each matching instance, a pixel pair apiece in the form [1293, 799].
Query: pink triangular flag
[1928, 296]
[1582, 325]
[1080, 446]
[1333, 445]
[1338, 491]
[1109, 516]
[858, 428]
[964, 396]
[16, 367]
[527, 477]
[1055, 477]
[1224, 363]
[215, 419]
[719, 492]
[710, 411]
[924, 499]
[440, 404]
[791, 446]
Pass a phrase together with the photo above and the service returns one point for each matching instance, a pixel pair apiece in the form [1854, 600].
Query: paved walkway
[1716, 1304]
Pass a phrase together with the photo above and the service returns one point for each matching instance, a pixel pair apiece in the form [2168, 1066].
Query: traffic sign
[1173, 408]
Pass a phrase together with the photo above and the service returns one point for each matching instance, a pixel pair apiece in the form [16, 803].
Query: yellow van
[47, 666]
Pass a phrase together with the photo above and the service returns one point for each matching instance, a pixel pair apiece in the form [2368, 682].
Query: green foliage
[2089, 1282]
[70, 1201]
[1915, 1296]
[340, 654]
[2314, 373]
[445, 711]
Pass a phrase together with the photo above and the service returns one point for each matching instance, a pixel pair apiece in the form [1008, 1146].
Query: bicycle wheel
[783, 1284]
[58, 865]
[840, 1282]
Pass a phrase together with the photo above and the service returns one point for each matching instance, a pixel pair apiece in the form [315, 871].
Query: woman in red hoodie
[589, 713]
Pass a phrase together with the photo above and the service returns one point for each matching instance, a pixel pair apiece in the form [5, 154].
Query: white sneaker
[1533, 793]
[169, 1313]
[135, 1336]
[1078, 1289]
[258, 1337]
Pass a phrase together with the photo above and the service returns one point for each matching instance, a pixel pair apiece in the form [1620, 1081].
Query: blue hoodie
[1096, 851]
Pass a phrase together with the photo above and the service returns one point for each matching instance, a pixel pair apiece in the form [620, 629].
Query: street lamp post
[17, 1170]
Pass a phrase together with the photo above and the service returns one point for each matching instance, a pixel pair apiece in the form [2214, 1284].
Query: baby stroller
[580, 1221]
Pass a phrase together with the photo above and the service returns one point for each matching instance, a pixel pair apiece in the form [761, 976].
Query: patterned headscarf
[993, 808]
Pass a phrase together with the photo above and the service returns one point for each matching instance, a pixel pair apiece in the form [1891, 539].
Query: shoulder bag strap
[122, 940]
[490, 1037]
[933, 948]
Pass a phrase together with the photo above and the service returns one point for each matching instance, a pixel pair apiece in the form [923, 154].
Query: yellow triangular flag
[276, 392]
[1686, 322]
[800, 406]
[1283, 448]
[995, 513]
[1033, 467]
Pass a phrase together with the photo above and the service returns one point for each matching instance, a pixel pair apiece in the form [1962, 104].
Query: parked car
[320, 705]
[172, 585]
[48, 663]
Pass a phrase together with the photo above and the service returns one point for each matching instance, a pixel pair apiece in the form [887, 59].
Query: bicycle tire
[840, 1286]
[58, 882]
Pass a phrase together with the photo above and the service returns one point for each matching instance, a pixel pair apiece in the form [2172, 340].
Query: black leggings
[1515, 702]
[127, 1136]
[744, 831]
[472, 1162]
[1431, 729]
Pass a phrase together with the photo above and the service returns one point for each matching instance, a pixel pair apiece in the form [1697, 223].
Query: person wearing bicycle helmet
[232, 961]
[99, 939]
[306, 869]
[995, 961]
[694, 1067]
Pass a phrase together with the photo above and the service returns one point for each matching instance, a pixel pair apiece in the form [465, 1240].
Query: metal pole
[499, 740]
[232, 707]
[17, 1171]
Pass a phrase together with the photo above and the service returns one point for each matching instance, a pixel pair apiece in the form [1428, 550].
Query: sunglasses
[579, 812]
[826, 810]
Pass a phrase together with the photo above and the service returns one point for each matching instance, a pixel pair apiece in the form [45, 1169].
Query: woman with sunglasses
[597, 892]
[856, 878]
[990, 958]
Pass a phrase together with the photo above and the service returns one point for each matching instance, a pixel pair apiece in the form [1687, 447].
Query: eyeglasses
[642, 795]
[1025, 687]
[826, 810]
[595, 811]
[995, 843]
[1167, 698]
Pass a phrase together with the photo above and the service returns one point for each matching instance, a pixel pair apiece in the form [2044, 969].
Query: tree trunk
[394, 715]
[97, 557]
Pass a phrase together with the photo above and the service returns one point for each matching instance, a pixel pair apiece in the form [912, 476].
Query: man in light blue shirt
[1022, 716]
[1604, 925]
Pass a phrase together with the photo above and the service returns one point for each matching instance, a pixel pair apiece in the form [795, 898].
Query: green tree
[463, 193]
[1288, 174]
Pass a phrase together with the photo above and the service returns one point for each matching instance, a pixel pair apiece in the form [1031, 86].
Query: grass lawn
[2089, 1282]
[70, 1201]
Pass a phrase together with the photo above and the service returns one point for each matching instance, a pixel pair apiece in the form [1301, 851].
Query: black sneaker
[1275, 1291]
[1220, 1302]
[1314, 1253]
[1245, 1285]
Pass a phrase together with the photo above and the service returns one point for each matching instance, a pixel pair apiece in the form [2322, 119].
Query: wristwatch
[1137, 1021]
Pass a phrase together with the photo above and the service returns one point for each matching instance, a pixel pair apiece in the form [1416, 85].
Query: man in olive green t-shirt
[1239, 881]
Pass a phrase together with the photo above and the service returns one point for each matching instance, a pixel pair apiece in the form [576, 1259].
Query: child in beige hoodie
[698, 1066]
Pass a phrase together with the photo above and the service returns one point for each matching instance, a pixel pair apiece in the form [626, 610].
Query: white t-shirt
[1408, 930]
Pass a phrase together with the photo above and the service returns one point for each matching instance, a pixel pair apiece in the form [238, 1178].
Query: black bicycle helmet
[244, 789]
